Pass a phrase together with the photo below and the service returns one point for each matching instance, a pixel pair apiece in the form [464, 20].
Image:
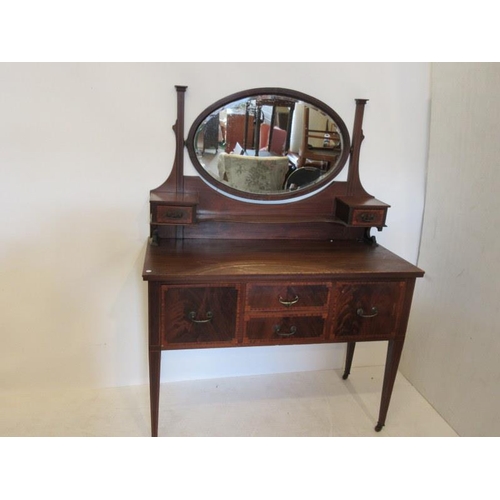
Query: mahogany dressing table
[229, 266]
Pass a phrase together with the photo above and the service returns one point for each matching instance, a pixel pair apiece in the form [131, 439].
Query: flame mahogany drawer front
[270, 297]
[285, 330]
[210, 315]
[367, 311]
[198, 316]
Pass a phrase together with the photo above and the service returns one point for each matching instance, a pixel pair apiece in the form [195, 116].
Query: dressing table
[236, 267]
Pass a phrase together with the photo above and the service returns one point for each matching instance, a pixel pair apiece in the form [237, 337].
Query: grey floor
[291, 404]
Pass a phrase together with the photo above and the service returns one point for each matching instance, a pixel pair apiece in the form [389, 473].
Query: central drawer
[273, 297]
[284, 329]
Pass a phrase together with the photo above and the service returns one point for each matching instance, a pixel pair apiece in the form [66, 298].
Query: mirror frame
[285, 197]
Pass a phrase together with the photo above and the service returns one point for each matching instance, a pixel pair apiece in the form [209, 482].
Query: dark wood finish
[210, 261]
[154, 354]
[394, 350]
[367, 310]
[354, 187]
[196, 316]
[225, 272]
[284, 329]
[154, 387]
[361, 211]
[173, 214]
[348, 359]
[264, 297]
[368, 218]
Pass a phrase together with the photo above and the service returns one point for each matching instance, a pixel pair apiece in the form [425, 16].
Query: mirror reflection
[269, 144]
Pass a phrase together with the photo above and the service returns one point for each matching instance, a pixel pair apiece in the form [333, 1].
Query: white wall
[453, 344]
[81, 145]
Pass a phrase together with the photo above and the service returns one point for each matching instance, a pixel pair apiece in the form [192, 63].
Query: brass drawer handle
[293, 331]
[361, 313]
[192, 317]
[288, 303]
[367, 217]
[175, 214]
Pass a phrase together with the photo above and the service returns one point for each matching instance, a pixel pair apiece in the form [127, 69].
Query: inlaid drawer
[367, 310]
[361, 211]
[173, 214]
[272, 297]
[284, 329]
[363, 217]
[196, 315]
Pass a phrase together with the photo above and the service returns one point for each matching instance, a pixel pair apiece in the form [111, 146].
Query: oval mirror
[268, 144]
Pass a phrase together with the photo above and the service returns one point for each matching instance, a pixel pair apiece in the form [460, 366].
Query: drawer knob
[361, 313]
[192, 317]
[277, 331]
[288, 303]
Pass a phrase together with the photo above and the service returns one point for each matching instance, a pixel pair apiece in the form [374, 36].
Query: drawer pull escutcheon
[360, 312]
[192, 316]
[293, 331]
[288, 303]
[367, 217]
[175, 214]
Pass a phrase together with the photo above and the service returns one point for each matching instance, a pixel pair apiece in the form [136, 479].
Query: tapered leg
[394, 350]
[154, 389]
[348, 359]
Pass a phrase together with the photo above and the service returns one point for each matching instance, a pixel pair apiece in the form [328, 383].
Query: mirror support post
[179, 149]
[175, 181]
[179, 142]
[353, 181]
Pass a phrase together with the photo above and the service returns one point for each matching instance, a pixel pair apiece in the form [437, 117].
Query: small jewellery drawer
[361, 211]
[362, 217]
[272, 297]
[172, 214]
[367, 310]
[198, 315]
[287, 329]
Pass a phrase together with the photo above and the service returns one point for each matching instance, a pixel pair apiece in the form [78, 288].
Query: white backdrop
[82, 144]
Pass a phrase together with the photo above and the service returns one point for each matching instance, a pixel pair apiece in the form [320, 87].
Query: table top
[203, 260]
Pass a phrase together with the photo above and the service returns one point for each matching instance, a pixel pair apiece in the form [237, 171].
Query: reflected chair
[253, 174]
[302, 177]
[274, 143]
[211, 134]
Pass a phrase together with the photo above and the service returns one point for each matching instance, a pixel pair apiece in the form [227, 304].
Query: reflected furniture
[229, 267]
[258, 174]
[318, 145]
[211, 134]
[239, 130]
[273, 139]
[303, 176]
[280, 122]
